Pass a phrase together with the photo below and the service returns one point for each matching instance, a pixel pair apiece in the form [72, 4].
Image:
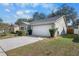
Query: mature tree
[66, 10]
[52, 15]
[30, 20]
[38, 16]
[1, 20]
[4, 26]
[20, 20]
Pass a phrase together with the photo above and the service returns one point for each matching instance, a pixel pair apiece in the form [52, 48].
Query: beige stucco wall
[16, 28]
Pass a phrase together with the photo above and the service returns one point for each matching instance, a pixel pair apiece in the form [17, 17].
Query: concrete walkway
[12, 43]
[2, 53]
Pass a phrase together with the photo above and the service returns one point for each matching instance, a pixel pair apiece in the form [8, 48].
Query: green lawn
[48, 47]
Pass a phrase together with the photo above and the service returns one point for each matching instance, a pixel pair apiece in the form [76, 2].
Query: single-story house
[4, 27]
[2, 31]
[41, 27]
[14, 28]
[24, 26]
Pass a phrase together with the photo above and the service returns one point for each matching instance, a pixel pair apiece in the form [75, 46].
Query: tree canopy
[1, 20]
[66, 10]
[38, 16]
[20, 20]
[4, 26]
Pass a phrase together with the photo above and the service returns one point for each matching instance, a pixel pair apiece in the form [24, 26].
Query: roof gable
[46, 21]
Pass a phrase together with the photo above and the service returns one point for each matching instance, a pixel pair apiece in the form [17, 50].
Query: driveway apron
[12, 43]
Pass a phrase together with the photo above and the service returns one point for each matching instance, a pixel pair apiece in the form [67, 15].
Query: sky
[10, 12]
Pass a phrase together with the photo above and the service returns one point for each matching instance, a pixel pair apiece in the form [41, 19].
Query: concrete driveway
[12, 43]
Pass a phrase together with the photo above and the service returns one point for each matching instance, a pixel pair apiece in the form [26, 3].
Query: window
[22, 28]
[76, 27]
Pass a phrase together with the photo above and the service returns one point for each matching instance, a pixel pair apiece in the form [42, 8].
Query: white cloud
[7, 10]
[20, 12]
[23, 14]
[30, 11]
[27, 11]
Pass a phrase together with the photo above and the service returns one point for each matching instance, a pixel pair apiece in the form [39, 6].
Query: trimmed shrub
[13, 32]
[30, 31]
[52, 32]
[21, 33]
[76, 38]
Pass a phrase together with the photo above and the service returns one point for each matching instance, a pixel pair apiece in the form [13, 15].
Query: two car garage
[41, 30]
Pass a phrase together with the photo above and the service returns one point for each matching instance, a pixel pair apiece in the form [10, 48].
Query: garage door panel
[42, 30]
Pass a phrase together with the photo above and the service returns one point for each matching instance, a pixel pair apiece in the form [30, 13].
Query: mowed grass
[61, 46]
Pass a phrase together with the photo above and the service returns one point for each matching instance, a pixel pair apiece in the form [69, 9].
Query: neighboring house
[24, 26]
[14, 28]
[41, 27]
[1, 31]
[76, 27]
[4, 27]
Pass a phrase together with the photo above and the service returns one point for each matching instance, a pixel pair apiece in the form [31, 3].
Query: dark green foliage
[12, 32]
[1, 20]
[19, 21]
[38, 16]
[30, 31]
[68, 36]
[21, 33]
[52, 32]
[52, 15]
[66, 10]
[76, 38]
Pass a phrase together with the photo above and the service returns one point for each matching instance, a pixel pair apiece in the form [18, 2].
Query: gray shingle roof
[45, 21]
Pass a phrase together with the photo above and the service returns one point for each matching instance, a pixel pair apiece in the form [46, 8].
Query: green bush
[30, 31]
[52, 32]
[21, 33]
[13, 32]
[76, 38]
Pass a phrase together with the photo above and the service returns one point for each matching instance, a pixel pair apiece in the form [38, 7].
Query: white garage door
[41, 30]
